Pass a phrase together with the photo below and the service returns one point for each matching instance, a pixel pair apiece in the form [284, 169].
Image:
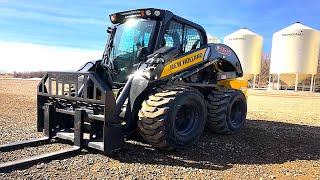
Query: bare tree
[317, 77]
[35, 74]
[265, 69]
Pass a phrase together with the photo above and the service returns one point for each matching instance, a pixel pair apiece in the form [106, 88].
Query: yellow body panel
[183, 62]
[235, 84]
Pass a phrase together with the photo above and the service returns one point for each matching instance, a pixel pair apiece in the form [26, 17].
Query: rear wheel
[173, 118]
[227, 109]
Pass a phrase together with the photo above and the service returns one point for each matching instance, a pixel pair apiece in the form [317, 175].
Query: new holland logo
[223, 50]
[184, 61]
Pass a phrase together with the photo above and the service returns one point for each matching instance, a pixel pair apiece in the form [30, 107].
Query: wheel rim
[237, 112]
[185, 119]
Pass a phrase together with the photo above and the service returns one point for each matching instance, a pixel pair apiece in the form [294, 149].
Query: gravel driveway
[281, 139]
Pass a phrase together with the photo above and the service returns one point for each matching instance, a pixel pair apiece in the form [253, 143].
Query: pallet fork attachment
[86, 118]
[78, 122]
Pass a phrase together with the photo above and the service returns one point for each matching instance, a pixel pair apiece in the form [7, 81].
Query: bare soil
[6, 76]
[281, 140]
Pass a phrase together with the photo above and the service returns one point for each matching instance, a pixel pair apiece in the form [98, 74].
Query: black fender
[229, 59]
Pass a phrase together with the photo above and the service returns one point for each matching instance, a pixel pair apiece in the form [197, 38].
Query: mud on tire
[173, 118]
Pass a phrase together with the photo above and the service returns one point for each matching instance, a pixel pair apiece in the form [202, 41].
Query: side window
[183, 37]
[192, 39]
[173, 35]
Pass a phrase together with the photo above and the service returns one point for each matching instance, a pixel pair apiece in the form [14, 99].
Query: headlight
[148, 12]
[157, 13]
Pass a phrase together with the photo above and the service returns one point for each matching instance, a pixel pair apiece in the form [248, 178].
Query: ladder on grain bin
[70, 109]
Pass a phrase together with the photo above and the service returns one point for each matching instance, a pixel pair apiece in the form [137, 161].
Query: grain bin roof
[243, 31]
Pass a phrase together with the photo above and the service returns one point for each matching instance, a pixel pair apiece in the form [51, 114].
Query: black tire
[227, 110]
[173, 118]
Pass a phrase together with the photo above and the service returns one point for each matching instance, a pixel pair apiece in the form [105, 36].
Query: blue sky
[82, 24]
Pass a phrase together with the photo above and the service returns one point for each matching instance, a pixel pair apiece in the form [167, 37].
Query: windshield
[129, 37]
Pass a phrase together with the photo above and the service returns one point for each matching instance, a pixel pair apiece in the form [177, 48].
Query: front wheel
[173, 118]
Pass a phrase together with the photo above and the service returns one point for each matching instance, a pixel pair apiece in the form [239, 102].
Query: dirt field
[281, 140]
[6, 76]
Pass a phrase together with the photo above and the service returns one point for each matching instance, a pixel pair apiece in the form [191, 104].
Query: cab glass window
[193, 39]
[173, 35]
[183, 37]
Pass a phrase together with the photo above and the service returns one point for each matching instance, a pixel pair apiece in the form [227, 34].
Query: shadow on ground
[260, 142]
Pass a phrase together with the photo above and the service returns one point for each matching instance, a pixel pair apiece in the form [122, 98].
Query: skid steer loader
[158, 76]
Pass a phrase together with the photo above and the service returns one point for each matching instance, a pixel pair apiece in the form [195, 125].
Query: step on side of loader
[86, 117]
